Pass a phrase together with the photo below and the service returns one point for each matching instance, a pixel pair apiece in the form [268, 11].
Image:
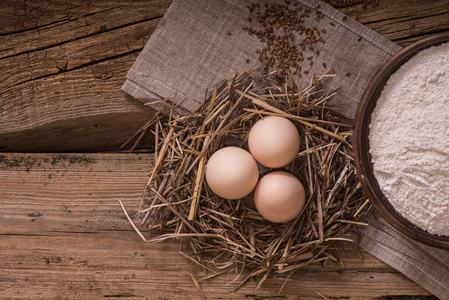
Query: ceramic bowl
[361, 144]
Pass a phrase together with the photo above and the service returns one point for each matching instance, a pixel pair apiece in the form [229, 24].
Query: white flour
[409, 140]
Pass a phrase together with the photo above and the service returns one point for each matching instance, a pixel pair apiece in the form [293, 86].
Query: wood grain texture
[62, 64]
[403, 21]
[64, 235]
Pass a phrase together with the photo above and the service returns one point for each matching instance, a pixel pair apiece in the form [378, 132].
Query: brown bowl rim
[362, 157]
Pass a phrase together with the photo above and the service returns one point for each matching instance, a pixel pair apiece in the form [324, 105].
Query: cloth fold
[201, 42]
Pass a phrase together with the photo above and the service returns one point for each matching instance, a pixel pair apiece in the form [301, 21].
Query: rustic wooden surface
[62, 64]
[61, 67]
[64, 235]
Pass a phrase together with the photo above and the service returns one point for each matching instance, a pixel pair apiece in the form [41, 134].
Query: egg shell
[274, 141]
[279, 197]
[232, 173]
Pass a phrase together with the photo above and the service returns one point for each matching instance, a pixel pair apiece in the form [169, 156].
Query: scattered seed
[345, 3]
[359, 39]
[344, 18]
[284, 35]
[347, 74]
[332, 23]
[228, 32]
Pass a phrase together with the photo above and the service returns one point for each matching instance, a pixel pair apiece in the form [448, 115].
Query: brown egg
[232, 173]
[274, 141]
[279, 197]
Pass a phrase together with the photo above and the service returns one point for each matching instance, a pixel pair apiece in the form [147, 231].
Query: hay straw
[229, 235]
[197, 286]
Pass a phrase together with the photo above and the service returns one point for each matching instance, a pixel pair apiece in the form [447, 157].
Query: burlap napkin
[191, 50]
[198, 43]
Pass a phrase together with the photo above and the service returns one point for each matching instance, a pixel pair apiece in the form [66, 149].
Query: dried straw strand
[229, 235]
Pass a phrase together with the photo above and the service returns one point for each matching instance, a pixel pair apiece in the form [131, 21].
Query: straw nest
[229, 235]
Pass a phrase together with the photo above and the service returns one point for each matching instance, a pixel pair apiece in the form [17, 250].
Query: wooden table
[62, 231]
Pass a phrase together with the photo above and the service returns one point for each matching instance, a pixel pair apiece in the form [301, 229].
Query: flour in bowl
[409, 140]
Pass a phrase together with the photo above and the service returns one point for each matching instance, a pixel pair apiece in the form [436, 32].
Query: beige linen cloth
[200, 42]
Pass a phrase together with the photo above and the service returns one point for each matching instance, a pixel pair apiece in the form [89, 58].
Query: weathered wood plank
[404, 21]
[80, 109]
[63, 234]
[62, 90]
[72, 55]
[41, 24]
